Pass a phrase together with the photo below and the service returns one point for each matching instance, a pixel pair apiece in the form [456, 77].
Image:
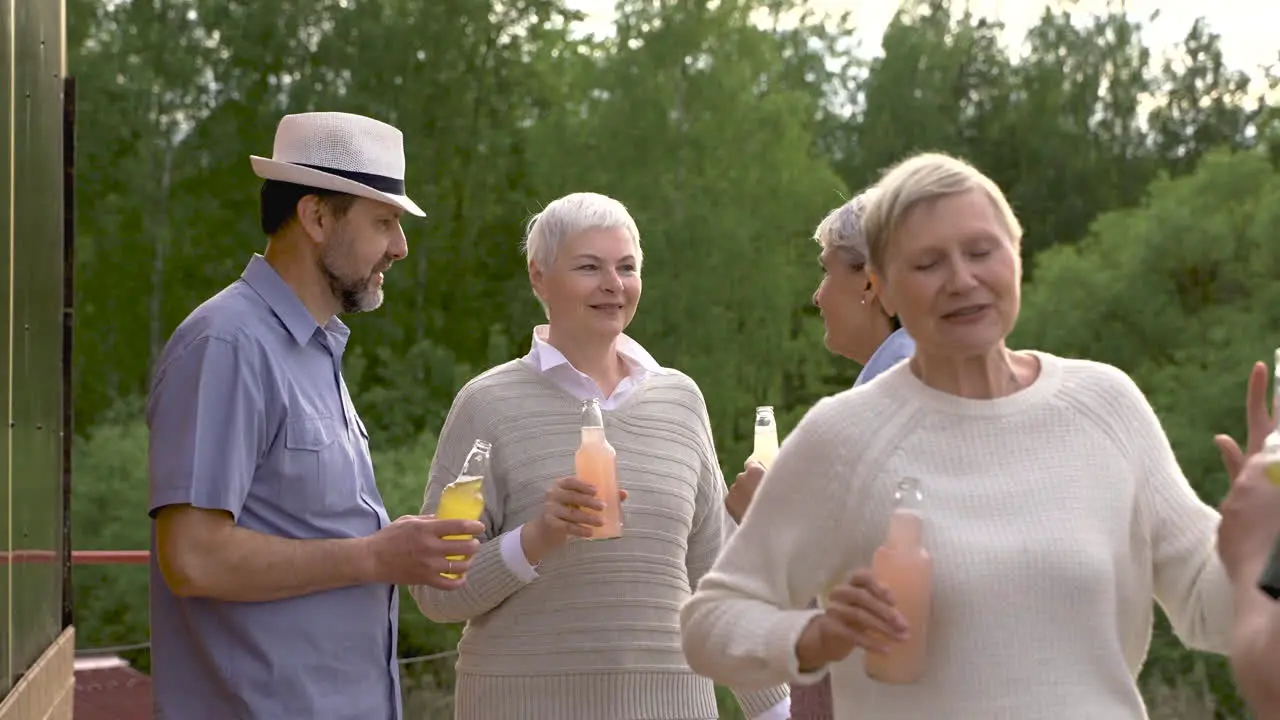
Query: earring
[864, 301]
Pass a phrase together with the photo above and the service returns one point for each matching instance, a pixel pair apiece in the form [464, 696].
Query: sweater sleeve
[1189, 580]
[712, 527]
[490, 579]
[741, 626]
[712, 524]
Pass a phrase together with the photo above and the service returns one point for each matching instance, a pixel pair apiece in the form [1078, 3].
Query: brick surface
[106, 691]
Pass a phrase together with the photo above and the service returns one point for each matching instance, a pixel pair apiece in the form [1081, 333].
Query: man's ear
[312, 217]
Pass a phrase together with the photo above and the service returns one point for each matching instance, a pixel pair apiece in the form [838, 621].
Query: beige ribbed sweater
[1055, 516]
[596, 636]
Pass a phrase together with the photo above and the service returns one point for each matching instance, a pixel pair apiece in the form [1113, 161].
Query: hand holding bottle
[570, 508]
[859, 613]
[1258, 419]
[1250, 522]
[415, 550]
[743, 490]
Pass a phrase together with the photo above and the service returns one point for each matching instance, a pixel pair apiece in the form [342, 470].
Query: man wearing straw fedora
[274, 564]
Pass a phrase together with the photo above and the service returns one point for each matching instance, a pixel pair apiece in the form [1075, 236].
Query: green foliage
[1180, 293]
[108, 504]
[729, 129]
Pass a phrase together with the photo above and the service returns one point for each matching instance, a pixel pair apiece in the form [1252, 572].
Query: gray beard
[354, 295]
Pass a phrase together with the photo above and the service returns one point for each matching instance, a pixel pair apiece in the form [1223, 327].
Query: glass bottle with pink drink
[596, 464]
[904, 566]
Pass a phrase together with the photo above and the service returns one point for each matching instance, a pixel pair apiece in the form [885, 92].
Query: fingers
[868, 629]
[1258, 416]
[622, 495]
[451, 564]
[575, 520]
[440, 582]
[1232, 456]
[1253, 471]
[460, 548]
[574, 485]
[866, 607]
[846, 638]
[440, 528]
[572, 492]
[574, 499]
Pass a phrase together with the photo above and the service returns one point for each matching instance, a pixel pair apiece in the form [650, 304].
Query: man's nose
[399, 248]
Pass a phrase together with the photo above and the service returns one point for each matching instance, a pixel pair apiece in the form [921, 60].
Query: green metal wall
[32, 39]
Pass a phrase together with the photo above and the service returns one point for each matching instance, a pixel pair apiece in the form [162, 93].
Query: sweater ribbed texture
[596, 635]
[1054, 517]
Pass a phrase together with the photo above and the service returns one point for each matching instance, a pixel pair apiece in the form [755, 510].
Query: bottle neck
[906, 530]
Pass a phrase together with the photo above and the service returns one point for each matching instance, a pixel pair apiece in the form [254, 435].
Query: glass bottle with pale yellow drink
[463, 499]
[1271, 444]
[904, 566]
[765, 448]
[1269, 582]
[596, 463]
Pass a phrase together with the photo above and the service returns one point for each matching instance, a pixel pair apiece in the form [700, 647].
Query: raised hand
[1250, 522]
[1259, 421]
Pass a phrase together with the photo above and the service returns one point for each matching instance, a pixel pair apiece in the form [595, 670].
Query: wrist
[365, 564]
[531, 542]
[808, 656]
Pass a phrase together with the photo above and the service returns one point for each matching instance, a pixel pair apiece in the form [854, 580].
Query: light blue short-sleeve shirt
[249, 413]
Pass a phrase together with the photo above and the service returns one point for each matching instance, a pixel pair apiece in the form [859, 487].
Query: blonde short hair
[922, 179]
[841, 229]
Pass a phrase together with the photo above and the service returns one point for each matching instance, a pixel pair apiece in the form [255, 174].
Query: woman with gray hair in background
[558, 628]
[1053, 506]
[853, 314]
[857, 327]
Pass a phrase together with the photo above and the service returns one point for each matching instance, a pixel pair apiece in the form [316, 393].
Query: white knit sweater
[1055, 516]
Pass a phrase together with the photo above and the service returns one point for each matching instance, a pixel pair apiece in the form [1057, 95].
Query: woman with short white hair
[558, 628]
[1055, 510]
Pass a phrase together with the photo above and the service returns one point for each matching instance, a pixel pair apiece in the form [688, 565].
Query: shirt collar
[286, 305]
[547, 356]
[895, 348]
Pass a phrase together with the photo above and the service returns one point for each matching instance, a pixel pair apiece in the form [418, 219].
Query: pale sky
[1248, 27]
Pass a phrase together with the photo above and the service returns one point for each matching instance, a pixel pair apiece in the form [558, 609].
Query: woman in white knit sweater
[1055, 509]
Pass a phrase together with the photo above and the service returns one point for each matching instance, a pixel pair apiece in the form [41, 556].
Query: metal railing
[142, 557]
[78, 557]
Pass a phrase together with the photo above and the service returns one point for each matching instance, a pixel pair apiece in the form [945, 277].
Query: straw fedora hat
[342, 152]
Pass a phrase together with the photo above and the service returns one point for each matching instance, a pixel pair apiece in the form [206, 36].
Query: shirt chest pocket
[318, 473]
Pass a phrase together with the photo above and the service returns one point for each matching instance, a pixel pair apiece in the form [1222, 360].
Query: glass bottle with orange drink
[463, 499]
[904, 566]
[596, 463]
